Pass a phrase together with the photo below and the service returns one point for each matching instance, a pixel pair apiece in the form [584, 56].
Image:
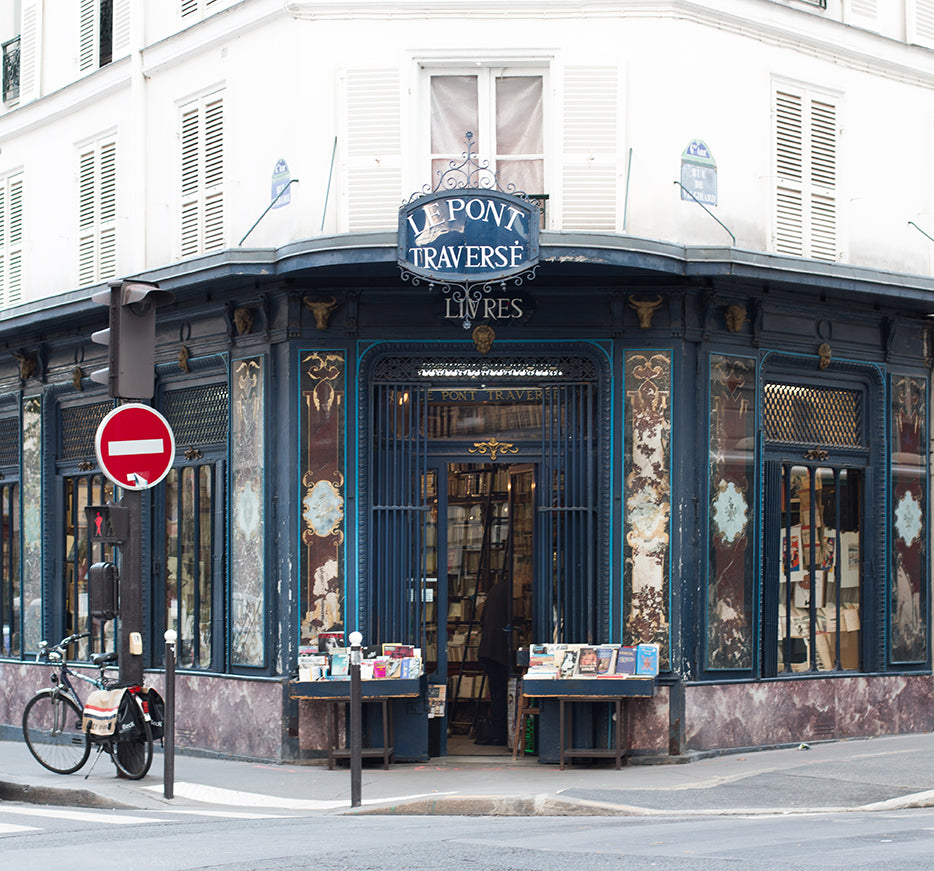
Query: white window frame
[97, 174]
[487, 68]
[814, 188]
[202, 224]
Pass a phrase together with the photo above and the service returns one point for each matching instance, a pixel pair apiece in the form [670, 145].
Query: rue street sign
[135, 446]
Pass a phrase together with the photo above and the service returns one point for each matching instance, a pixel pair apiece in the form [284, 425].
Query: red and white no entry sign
[135, 446]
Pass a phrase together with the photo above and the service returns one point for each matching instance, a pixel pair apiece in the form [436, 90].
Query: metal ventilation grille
[813, 415]
[9, 441]
[79, 425]
[198, 415]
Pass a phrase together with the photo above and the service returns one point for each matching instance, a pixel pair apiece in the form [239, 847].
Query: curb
[62, 797]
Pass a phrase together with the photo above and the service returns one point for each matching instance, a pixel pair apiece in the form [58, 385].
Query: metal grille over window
[79, 424]
[813, 415]
[9, 441]
[198, 416]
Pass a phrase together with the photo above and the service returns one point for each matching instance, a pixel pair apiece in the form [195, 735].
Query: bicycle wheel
[52, 729]
[132, 754]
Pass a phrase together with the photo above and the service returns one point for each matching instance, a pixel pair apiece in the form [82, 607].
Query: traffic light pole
[131, 593]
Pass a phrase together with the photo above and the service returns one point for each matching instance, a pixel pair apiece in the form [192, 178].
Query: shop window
[189, 552]
[78, 492]
[821, 527]
[202, 175]
[192, 510]
[504, 109]
[11, 598]
[11, 239]
[820, 584]
[806, 130]
[97, 212]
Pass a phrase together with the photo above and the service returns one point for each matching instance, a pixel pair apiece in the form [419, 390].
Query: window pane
[205, 551]
[519, 115]
[453, 113]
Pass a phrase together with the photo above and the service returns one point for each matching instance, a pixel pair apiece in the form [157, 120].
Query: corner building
[701, 420]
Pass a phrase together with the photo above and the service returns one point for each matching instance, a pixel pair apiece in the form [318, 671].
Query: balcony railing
[11, 70]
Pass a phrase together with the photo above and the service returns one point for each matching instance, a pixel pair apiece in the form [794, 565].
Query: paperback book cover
[606, 660]
[568, 665]
[587, 661]
[626, 660]
[329, 640]
[647, 659]
[340, 664]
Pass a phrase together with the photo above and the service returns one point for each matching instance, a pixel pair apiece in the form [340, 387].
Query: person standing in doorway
[494, 654]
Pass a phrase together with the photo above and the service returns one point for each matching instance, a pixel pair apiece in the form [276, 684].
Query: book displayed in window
[378, 662]
[604, 661]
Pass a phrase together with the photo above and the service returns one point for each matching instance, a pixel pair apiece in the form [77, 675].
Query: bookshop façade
[672, 500]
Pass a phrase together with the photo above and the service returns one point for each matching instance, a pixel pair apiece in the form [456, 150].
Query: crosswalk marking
[104, 816]
[10, 829]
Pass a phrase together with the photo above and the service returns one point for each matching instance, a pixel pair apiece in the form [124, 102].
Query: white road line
[102, 816]
[230, 797]
[233, 815]
[10, 829]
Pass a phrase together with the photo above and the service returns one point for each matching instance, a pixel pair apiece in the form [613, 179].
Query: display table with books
[583, 694]
[381, 693]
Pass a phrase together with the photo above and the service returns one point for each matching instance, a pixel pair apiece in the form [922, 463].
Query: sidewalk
[886, 773]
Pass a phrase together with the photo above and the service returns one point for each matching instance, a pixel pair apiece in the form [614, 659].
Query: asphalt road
[174, 840]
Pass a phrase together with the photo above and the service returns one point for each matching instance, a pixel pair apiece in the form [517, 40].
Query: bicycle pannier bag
[156, 713]
[100, 711]
[130, 724]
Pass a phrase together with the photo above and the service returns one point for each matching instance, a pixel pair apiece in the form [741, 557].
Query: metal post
[131, 593]
[356, 719]
[168, 737]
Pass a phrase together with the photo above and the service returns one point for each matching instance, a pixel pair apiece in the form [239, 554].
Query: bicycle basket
[101, 711]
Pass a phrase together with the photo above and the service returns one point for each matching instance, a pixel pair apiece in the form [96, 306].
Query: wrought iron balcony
[11, 70]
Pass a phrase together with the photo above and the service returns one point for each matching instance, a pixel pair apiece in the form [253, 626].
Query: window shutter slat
[29, 52]
[87, 32]
[202, 177]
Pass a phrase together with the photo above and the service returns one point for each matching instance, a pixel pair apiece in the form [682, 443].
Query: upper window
[95, 35]
[11, 239]
[806, 130]
[97, 212]
[202, 175]
[11, 70]
[194, 7]
[504, 109]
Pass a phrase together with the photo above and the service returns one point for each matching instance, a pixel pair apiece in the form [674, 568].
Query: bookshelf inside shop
[489, 539]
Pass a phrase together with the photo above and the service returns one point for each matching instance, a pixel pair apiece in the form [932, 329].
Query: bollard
[356, 719]
[168, 737]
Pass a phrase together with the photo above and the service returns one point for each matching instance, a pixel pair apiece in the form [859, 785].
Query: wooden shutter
[373, 150]
[11, 240]
[121, 28]
[865, 9]
[30, 54]
[921, 22]
[87, 35]
[590, 166]
[202, 177]
[805, 203]
[97, 213]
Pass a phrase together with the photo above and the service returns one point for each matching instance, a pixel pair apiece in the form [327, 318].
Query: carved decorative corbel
[735, 316]
[321, 309]
[483, 338]
[824, 353]
[183, 356]
[27, 364]
[645, 309]
[76, 375]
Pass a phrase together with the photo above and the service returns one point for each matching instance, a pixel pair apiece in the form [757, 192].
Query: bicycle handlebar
[45, 651]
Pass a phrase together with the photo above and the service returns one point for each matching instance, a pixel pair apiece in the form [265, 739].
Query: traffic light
[102, 591]
[130, 338]
[108, 524]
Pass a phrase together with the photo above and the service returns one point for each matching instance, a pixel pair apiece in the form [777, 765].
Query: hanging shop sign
[468, 236]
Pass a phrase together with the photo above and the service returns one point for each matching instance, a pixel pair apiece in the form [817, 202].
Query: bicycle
[52, 719]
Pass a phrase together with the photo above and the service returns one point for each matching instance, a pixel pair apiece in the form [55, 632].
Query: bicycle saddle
[104, 658]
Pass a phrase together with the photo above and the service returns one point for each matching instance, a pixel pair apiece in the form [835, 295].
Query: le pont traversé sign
[466, 239]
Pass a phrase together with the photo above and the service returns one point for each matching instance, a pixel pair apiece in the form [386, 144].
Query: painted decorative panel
[909, 527]
[322, 493]
[647, 511]
[731, 512]
[32, 523]
[248, 531]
